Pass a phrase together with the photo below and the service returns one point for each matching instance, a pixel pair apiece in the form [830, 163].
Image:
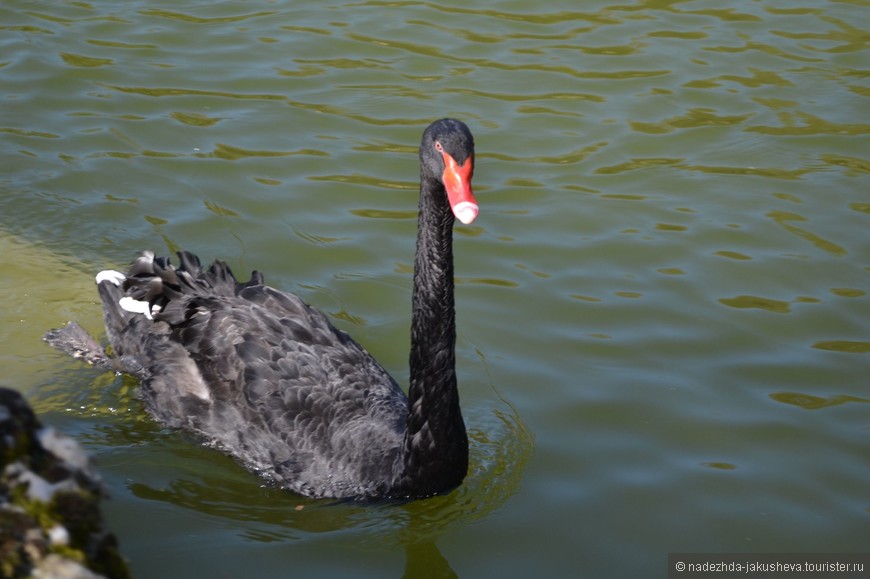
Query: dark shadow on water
[424, 561]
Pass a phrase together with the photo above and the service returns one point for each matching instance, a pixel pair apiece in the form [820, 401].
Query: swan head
[447, 156]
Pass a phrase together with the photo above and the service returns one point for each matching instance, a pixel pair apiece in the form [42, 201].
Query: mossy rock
[50, 519]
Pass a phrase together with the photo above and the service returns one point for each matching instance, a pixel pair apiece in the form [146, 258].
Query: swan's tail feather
[152, 290]
[75, 341]
[156, 280]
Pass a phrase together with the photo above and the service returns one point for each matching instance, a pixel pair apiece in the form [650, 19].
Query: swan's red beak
[457, 181]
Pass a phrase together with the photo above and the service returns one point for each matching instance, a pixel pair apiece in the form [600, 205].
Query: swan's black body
[268, 379]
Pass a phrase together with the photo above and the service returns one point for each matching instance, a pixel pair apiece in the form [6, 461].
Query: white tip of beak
[465, 211]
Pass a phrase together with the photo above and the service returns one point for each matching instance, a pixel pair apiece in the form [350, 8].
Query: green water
[663, 309]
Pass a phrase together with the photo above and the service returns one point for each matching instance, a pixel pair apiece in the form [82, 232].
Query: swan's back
[260, 374]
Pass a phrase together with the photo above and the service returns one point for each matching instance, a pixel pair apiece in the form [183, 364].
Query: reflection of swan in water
[424, 559]
[210, 485]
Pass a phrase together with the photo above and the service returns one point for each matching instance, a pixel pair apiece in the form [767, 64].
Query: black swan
[266, 378]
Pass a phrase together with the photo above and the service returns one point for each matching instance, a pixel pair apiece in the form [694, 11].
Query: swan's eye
[438, 147]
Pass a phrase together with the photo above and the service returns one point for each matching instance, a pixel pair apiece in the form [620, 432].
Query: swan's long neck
[436, 445]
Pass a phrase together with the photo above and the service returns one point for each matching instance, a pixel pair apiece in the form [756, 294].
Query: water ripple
[85, 61]
[785, 219]
[27, 133]
[758, 79]
[526, 17]
[755, 302]
[845, 346]
[693, 118]
[121, 45]
[436, 52]
[812, 125]
[171, 92]
[189, 18]
[519, 97]
[810, 402]
[761, 47]
[569, 158]
[159, 92]
[62, 20]
[847, 38]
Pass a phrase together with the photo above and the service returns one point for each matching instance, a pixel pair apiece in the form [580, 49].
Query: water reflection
[424, 561]
[785, 219]
[847, 346]
[811, 402]
[755, 302]
[208, 482]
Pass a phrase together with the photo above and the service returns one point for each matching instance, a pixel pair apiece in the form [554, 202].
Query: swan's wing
[290, 394]
[258, 372]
